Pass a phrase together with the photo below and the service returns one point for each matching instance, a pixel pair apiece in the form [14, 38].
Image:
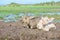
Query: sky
[4, 2]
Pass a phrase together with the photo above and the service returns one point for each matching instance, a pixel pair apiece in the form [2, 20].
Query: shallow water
[57, 13]
[29, 14]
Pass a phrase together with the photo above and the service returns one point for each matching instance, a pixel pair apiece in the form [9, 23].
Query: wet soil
[19, 31]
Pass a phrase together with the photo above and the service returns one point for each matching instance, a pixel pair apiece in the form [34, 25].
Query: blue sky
[4, 2]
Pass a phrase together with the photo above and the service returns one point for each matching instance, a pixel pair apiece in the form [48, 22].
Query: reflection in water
[10, 17]
[57, 21]
[21, 14]
[58, 13]
[30, 14]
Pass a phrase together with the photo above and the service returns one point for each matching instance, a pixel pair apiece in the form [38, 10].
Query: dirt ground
[16, 31]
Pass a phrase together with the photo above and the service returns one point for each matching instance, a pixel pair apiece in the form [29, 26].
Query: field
[33, 9]
[5, 10]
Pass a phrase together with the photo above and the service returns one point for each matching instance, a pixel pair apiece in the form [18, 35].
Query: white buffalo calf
[49, 26]
[48, 22]
[43, 21]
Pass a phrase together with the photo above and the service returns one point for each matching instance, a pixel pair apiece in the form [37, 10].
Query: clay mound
[19, 31]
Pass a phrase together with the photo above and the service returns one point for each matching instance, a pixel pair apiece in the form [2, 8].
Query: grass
[32, 9]
[5, 10]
